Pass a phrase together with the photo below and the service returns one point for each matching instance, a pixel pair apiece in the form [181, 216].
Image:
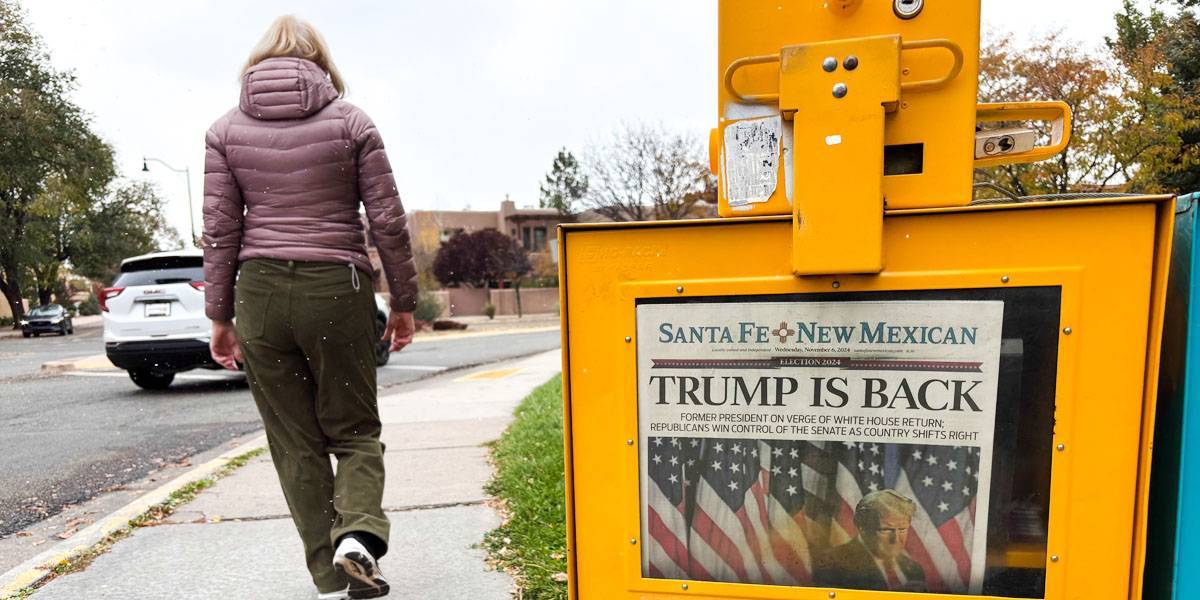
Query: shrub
[489, 309]
[428, 307]
[89, 307]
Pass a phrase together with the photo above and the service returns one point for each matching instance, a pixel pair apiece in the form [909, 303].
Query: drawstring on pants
[354, 277]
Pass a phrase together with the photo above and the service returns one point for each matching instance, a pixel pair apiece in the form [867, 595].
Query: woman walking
[284, 250]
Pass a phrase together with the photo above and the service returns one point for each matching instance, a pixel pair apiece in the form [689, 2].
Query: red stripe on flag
[916, 551]
[720, 543]
[655, 573]
[670, 544]
[752, 541]
[845, 517]
[952, 535]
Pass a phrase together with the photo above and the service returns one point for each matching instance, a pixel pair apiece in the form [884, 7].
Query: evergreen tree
[565, 184]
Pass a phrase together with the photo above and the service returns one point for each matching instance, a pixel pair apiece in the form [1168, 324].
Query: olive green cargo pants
[308, 341]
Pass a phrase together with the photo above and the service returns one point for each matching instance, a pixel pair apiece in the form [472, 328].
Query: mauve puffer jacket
[284, 174]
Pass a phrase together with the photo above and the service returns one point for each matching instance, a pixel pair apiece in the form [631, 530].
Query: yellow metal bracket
[837, 94]
[837, 219]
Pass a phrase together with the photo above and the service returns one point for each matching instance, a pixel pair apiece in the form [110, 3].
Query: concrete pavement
[235, 540]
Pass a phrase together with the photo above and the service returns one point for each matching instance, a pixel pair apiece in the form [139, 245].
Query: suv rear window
[160, 271]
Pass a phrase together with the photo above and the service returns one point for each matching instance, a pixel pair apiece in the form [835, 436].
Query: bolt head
[1066, 331]
[684, 586]
[679, 290]
[628, 339]
[829, 64]
[833, 594]
[628, 442]
[1053, 558]
[1061, 447]
[1004, 279]
[840, 90]
[851, 62]
[633, 541]
[837, 284]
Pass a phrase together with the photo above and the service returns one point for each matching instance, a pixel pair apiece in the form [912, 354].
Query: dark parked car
[50, 318]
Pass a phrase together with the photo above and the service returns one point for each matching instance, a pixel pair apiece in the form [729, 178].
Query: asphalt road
[66, 438]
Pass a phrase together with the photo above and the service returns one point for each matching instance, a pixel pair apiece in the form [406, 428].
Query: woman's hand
[399, 330]
[224, 345]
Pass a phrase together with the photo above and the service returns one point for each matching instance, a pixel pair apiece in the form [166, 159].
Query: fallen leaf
[24, 534]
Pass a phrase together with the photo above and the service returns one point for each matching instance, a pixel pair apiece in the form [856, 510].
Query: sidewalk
[235, 540]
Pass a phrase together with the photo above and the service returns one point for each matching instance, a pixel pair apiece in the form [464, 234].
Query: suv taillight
[107, 293]
[198, 285]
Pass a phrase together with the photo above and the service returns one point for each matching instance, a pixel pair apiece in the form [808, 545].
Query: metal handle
[746, 61]
[931, 84]
[1058, 113]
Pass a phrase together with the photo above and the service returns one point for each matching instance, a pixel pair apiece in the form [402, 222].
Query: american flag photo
[858, 515]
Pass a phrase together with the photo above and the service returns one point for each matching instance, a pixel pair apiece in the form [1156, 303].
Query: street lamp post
[187, 173]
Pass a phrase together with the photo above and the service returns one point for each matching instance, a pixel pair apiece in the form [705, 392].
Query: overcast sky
[473, 98]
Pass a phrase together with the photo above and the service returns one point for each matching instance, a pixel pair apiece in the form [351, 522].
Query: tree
[44, 135]
[565, 184]
[1163, 53]
[479, 258]
[126, 222]
[644, 172]
[1121, 122]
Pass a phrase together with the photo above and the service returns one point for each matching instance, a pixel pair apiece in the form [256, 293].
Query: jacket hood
[285, 88]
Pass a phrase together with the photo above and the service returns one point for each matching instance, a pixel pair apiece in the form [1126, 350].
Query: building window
[526, 238]
[539, 239]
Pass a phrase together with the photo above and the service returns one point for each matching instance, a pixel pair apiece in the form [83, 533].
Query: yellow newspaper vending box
[860, 383]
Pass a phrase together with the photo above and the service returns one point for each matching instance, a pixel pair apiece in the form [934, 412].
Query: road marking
[415, 367]
[490, 375]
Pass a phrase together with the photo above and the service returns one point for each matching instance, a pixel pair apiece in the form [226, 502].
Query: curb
[16, 333]
[38, 568]
[76, 364]
[439, 336]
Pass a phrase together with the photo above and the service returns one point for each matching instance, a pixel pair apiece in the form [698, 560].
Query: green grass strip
[153, 516]
[532, 544]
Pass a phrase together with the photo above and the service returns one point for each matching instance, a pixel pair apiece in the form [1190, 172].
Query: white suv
[154, 322]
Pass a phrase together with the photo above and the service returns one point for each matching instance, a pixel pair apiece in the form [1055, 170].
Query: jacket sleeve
[385, 214]
[223, 217]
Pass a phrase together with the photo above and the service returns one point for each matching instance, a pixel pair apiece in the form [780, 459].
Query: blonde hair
[289, 36]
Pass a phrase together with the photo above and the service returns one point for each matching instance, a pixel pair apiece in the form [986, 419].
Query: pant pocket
[252, 307]
[341, 316]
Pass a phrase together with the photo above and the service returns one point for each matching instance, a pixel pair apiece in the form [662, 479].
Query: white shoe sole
[365, 579]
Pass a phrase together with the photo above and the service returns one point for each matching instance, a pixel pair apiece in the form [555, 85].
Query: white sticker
[833, 140]
[751, 160]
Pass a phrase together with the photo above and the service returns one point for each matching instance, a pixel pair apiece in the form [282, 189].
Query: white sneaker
[360, 569]
[338, 595]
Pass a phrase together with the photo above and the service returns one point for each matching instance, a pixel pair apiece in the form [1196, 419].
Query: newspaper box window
[851, 443]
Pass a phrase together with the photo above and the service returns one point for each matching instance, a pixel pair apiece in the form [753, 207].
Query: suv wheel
[25, 334]
[151, 380]
[382, 349]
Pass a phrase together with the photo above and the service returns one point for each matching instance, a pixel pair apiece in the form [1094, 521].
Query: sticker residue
[751, 160]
